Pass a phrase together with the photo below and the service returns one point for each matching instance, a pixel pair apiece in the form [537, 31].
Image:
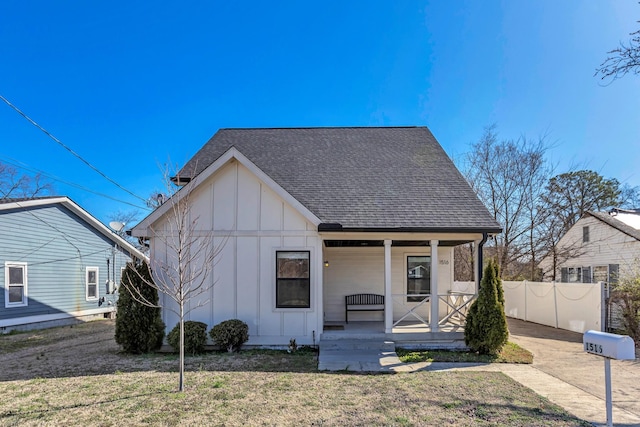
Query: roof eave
[329, 227]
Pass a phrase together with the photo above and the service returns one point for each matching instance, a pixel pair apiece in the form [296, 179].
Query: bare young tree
[508, 177]
[15, 185]
[463, 263]
[184, 274]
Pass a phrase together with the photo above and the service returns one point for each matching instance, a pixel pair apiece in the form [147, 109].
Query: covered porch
[415, 278]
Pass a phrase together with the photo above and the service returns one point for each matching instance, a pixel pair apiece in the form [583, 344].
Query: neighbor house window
[15, 284]
[293, 282]
[92, 283]
[418, 278]
[601, 273]
[574, 274]
[585, 234]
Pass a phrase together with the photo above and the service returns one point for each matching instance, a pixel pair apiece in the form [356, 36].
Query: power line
[22, 165]
[69, 149]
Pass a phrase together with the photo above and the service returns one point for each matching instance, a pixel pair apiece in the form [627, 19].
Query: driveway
[559, 353]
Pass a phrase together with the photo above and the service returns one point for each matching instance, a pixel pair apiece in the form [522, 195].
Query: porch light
[326, 263]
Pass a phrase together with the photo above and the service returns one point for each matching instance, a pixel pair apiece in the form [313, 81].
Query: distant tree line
[534, 206]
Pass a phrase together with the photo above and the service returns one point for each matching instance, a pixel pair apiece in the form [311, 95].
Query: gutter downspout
[485, 237]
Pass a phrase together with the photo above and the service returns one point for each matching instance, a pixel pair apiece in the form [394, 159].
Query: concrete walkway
[562, 372]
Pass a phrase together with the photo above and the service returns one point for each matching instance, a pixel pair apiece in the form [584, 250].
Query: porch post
[435, 300]
[388, 301]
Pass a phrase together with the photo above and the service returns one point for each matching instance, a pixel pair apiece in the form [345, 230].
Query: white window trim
[312, 268]
[25, 297]
[86, 283]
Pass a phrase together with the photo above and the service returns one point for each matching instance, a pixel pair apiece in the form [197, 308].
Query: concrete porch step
[369, 355]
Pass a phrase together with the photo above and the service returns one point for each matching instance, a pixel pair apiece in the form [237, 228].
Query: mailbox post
[609, 346]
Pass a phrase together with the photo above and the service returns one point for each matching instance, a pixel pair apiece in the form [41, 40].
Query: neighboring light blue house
[57, 264]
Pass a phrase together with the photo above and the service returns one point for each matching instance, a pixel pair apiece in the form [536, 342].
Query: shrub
[626, 294]
[230, 334]
[195, 337]
[486, 329]
[139, 327]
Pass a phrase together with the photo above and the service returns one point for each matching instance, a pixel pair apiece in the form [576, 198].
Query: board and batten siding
[57, 247]
[250, 222]
[606, 245]
[354, 270]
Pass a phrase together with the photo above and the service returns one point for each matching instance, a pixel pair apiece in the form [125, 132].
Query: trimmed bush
[230, 334]
[486, 330]
[139, 327]
[195, 337]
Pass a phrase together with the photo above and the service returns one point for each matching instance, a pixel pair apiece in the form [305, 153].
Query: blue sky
[129, 85]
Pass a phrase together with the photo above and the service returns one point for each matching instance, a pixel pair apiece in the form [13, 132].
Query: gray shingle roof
[616, 223]
[361, 178]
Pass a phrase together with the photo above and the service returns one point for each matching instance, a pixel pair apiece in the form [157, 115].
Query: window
[585, 234]
[15, 284]
[601, 273]
[92, 283]
[575, 274]
[293, 282]
[418, 277]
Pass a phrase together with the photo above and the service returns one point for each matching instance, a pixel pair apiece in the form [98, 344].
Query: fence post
[604, 306]
[525, 301]
[555, 302]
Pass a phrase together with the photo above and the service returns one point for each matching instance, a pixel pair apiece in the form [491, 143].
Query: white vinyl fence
[575, 307]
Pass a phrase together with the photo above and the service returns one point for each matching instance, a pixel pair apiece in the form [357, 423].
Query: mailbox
[612, 346]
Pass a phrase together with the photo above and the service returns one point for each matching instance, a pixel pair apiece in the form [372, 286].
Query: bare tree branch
[621, 61]
[14, 185]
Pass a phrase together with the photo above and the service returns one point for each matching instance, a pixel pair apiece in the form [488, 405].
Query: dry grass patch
[278, 398]
[93, 384]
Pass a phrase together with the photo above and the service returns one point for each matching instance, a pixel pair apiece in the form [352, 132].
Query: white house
[311, 215]
[598, 247]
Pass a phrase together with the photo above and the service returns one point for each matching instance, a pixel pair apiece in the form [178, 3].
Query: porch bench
[363, 302]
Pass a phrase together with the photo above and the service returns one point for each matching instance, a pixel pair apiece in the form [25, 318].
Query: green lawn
[511, 353]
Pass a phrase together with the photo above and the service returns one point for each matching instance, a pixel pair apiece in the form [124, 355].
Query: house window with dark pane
[293, 281]
[585, 234]
[575, 274]
[92, 283]
[15, 284]
[418, 278]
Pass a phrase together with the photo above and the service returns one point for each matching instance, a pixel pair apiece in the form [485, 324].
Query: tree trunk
[181, 380]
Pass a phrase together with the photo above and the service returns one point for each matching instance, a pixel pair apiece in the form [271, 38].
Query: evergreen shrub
[139, 327]
[230, 334]
[486, 330]
[195, 337]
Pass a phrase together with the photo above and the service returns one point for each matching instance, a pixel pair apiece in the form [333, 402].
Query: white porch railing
[457, 304]
[413, 310]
